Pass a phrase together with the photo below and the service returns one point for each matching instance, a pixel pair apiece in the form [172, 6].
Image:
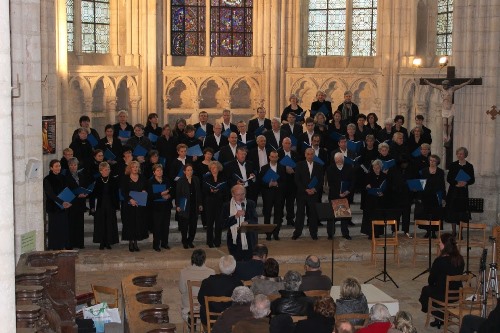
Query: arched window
[188, 27]
[92, 35]
[342, 28]
[444, 27]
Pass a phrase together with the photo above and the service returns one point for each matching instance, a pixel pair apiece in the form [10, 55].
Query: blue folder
[152, 137]
[219, 186]
[269, 176]
[377, 190]
[312, 184]
[386, 165]
[140, 197]
[305, 145]
[344, 186]
[83, 190]
[226, 132]
[293, 139]
[200, 132]
[162, 161]
[182, 203]
[194, 151]
[92, 140]
[416, 152]
[66, 195]
[462, 176]
[300, 116]
[120, 195]
[250, 144]
[216, 156]
[350, 161]
[318, 160]
[288, 162]
[416, 185]
[323, 109]
[158, 188]
[336, 136]
[354, 145]
[139, 151]
[109, 155]
[439, 196]
[179, 174]
[124, 134]
[259, 130]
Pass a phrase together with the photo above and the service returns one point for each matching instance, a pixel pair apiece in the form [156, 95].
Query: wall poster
[49, 134]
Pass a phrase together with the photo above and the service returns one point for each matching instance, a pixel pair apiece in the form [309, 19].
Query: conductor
[235, 213]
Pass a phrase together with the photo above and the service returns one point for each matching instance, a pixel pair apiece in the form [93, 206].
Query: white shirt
[288, 153]
[262, 157]
[243, 137]
[277, 136]
[183, 160]
[309, 135]
[204, 127]
[217, 139]
[233, 149]
[261, 121]
[310, 166]
[273, 167]
[226, 126]
[316, 151]
[243, 171]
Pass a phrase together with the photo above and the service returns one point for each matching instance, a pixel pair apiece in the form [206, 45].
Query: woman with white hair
[293, 107]
[380, 320]
[403, 323]
[122, 125]
[242, 297]
[385, 134]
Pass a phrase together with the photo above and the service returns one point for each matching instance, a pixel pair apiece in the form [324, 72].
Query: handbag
[100, 315]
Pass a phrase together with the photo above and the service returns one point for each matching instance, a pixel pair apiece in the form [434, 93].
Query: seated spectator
[380, 320]
[197, 271]
[246, 270]
[282, 323]
[321, 320]
[260, 309]
[313, 278]
[344, 327]
[270, 282]
[292, 301]
[471, 323]
[403, 323]
[352, 299]
[239, 310]
[221, 284]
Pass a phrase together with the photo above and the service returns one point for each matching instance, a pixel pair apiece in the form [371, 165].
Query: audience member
[270, 282]
[352, 299]
[472, 323]
[380, 320]
[292, 301]
[344, 327]
[321, 320]
[403, 323]
[313, 279]
[246, 270]
[259, 323]
[242, 297]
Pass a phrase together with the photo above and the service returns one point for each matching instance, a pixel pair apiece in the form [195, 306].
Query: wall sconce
[443, 61]
[417, 62]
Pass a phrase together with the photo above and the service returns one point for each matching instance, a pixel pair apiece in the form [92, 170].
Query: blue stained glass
[178, 19]
[238, 20]
[188, 27]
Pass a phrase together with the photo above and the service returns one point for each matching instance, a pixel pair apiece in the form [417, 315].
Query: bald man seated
[314, 279]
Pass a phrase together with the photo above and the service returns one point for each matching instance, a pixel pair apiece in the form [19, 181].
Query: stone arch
[108, 85]
[241, 95]
[180, 93]
[77, 97]
[365, 94]
[83, 84]
[214, 93]
[98, 97]
[334, 90]
[123, 96]
[306, 90]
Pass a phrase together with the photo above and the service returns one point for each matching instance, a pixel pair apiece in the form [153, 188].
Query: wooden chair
[392, 240]
[417, 241]
[451, 299]
[474, 239]
[194, 308]
[295, 319]
[467, 305]
[247, 283]
[213, 316]
[105, 294]
[273, 297]
[317, 293]
[350, 317]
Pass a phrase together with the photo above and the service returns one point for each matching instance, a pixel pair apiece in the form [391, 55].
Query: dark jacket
[182, 191]
[352, 305]
[294, 303]
[216, 285]
[315, 323]
[231, 316]
[315, 280]
[253, 125]
[246, 270]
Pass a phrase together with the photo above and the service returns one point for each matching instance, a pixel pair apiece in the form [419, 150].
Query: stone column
[135, 110]
[274, 63]
[111, 109]
[7, 254]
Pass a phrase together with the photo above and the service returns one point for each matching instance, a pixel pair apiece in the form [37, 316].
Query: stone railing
[45, 292]
[143, 308]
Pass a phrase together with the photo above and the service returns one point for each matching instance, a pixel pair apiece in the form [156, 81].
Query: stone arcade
[139, 72]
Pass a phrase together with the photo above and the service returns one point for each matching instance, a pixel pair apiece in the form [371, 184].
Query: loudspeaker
[33, 168]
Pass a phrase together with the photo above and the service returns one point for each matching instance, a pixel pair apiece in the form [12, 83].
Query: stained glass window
[364, 27]
[334, 22]
[231, 28]
[188, 27]
[444, 27]
[95, 26]
[70, 24]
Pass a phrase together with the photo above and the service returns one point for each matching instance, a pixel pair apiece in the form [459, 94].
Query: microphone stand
[430, 251]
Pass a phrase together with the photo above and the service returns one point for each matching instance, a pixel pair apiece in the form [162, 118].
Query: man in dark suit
[348, 109]
[426, 132]
[259, 155]
[304, 139]
[260, 121]
[226, 122]
[243, 135]
[321, 105]
[290, 189]
[276, 135]
[343, 149]
[307, 193]
[246, 270]
[215, 140]
[237, 212]
[242, 172]
[272, 193]
[292, 128]
[221, 284]
[228, 153]
[341, 183]
[319, 151]
[204, 124]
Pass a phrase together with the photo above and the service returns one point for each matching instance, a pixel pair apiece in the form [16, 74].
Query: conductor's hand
[239, 213]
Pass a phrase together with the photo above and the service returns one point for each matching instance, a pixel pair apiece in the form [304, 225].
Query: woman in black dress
[188, 204]
[152, 127]
[385, 134]
[178, 131]
[134, 226]
[449, 262]
[373, 201]
[151, 159]
[74, 180]
[93, 174]
[106, 194]
[214, 194]
[321, 105]
[159, 206]
[201, 167]
[53, 184]
[432, 197]
[457, 199]
[82, 149]
[166, 145]
[293, 107]
[372, 126]
[113, 144]
[122, 125]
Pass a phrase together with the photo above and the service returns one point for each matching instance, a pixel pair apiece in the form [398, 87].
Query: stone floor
[352, 258]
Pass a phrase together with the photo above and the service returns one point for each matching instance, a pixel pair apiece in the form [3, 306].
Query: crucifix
[447, 87]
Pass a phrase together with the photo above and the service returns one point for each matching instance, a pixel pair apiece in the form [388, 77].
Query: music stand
[435, 214]
[473, 205]
[385, 214]
[325, 213]
[257, 228]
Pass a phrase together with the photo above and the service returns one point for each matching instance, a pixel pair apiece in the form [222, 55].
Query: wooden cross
[450, 76]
